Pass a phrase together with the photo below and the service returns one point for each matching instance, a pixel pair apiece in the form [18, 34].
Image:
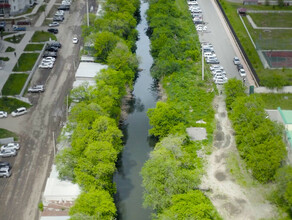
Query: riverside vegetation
[93, 122]
[171, 176]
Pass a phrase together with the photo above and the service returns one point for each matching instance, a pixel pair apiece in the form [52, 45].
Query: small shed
[242, 11]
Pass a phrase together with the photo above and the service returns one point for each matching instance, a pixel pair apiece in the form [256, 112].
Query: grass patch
[15, 38]
[10, 104]
[272, 19]
[26, 62]
[33, 47]
[4, 58]
[273, 101]
[42, 36]
[10, 49]
[14, 84]
[6, 134]
[268, 77]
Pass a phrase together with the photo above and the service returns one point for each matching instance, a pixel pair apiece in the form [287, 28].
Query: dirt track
[21, 193]
[231, 199]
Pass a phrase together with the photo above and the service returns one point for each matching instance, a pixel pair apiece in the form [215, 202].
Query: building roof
[88, 69]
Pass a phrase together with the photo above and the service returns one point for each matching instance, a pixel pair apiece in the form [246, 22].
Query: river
[138, 144]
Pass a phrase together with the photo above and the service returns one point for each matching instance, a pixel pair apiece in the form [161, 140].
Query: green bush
[10, 49]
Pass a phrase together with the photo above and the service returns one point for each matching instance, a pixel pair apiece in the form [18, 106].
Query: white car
[36, 88]
[216, 67]
[220, 81]
[14, 146]
[8, 153]
[3, 114]
[236, 60]
[50, 59]
[75, 40]
[46, 65]
[19, 111]
[59, 12]
[5, 172]
[54, 24]
[242, 73]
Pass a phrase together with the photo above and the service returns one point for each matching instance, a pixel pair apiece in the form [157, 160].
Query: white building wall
[18, 6]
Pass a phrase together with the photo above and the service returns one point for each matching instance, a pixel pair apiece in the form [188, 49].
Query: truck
[16, 28]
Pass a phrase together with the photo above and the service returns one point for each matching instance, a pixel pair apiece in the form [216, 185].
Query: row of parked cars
[17, 112]
[239, 67]
[219, 74]
[7, 150]
[196, 12]
[50, 55]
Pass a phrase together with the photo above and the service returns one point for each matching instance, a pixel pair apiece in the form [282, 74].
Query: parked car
[55, 44]
[5, 164]
[236, 60]
[51, 48]
[242, 73]
[60, 13]
[5, 172]
[215, 67]
[239, 66]
[46, 65]
[50, 54]
[16, 28]
[53, 30]
[14, 146]
[64, 7]
[75, 40]
[3, 114]
[8, 153]
[220, 81]
[212, 60]
[58, 18]
[36, 88]
[50, 59]
[19, 111]
[54, 24]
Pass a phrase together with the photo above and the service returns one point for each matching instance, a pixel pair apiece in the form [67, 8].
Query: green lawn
[272, 19]
[14, 84]
[6, 134]
[268, 77]
[42, 36]
[26, 62]
[10, 104]
[10, 49]
[33, 47]
[273, 101]
[15, 38]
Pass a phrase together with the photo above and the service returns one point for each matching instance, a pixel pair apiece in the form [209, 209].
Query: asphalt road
[218, 34]
[21, 193]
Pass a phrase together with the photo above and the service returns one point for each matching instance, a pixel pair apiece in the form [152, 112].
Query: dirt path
[231, 200]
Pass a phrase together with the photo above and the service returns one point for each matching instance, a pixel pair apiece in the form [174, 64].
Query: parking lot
[39, 128]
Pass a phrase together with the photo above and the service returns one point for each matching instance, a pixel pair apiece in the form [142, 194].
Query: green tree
[167, 173]
[65, 163]
[190, 206]
[104, 43]
[233, 89]
[164, 118]
[96, 203]
[283, 193]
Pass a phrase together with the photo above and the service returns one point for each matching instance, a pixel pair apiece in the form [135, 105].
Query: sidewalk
[9, 65]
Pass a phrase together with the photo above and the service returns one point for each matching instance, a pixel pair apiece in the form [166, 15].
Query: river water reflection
[138, 144]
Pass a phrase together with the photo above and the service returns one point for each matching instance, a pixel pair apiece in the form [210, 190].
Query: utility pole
[203, 64]
[87, 14]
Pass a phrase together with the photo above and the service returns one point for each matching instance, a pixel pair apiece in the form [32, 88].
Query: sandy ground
[231, 200]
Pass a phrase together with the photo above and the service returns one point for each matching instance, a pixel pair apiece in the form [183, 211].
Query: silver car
[5, 172]
[8, 153]
[19, 111]
[36, 88]
[14, 146]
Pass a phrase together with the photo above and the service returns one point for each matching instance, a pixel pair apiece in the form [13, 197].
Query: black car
[53, 30]
[239, 66]
[50, 54]
[52, 48]
[55, 44]
[5, 164]
[64, 7]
